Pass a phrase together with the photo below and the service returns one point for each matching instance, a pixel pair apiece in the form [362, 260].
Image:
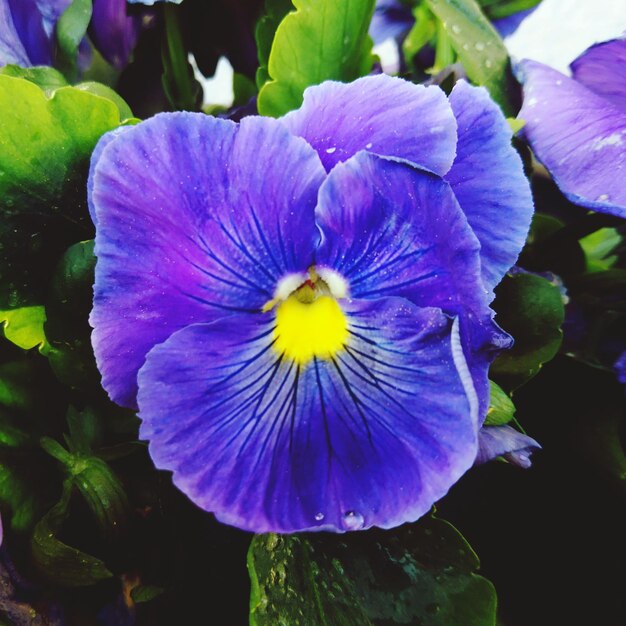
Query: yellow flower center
[309, 324]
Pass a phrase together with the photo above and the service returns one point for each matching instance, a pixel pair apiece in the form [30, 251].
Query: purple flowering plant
[328, 307]
[308, 332]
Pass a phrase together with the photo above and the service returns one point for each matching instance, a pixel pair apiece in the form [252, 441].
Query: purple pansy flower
[27, 30]
[577, 126]
[299, 307]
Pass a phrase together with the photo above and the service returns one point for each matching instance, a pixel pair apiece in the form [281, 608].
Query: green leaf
[61, 564]
[598, 247]
[422, 573]
[273, 14]
[45, 145]
[243, 89]
[552, 246]
[24, 327]
[501, 408]
[43, 76]
[477, 44]
[70, 31]
[322, 40]
[101, 489]
[531, 309]
[422, 32]
[497, 9]
[183, 91]
[145, 593]
[17, 494]
[98, 89]
[68, 305]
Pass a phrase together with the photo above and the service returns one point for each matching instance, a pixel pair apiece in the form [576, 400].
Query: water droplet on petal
[368, 146]
[352, 521]
[330, 150]
[319, 517]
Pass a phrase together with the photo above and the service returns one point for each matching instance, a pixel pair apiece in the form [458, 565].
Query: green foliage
[552, 246]
[24, 327]
[423, 31]
[181, 88]
[27, 407]
[321, 40]
[43, 76]
[273, 14]
[477, 45]
[70, 31]
[497, 9]
[599, 247]
[68, 304]
[422, 573]
[45, 145]
[145, 593]
[63, 565]
[98, 89]
[531, 309]
[501, 408]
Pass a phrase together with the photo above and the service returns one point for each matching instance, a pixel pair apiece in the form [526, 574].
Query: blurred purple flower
[391, 19]
[620, 368]
[300, 307]
[577, 126]
[27, 30]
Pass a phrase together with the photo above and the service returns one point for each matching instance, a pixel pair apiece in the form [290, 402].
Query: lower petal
[371, 436]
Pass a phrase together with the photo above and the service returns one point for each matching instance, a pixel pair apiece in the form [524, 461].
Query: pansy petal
[103, 142]
[515, 447]
[191, 228]
[391, 19]
[370, 437]
[28, 23]
[340, 119]
[602, 68]
[391, 229]
[21, 33]
[113, 31]
[51, 11]
[488, 180]
[579, 136]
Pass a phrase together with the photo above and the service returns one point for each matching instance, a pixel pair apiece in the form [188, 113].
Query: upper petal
[602, 68]
[381, 114]
[391, 229]
[488, 180]
[578, 135]
[371, 437]
[196, 218]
